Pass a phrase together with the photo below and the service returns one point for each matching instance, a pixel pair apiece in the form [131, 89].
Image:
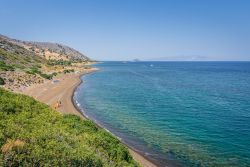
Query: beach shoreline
[142, 160]
[63, 91]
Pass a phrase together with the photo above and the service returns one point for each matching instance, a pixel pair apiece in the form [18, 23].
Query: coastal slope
[63, 91]
[23, 64]
[48, 138]
[33, 133]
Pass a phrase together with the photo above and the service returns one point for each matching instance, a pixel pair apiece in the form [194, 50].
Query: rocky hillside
[49, 50]
[18, 56]
[25, 63]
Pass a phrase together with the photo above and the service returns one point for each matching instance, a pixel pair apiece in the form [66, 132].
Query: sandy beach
[62, 88]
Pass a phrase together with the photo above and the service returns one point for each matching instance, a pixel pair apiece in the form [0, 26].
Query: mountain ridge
[49, 50]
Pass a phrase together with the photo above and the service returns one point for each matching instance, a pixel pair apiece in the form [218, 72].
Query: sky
[152, 30]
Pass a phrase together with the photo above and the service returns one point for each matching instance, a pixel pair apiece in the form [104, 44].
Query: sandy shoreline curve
[62, 89]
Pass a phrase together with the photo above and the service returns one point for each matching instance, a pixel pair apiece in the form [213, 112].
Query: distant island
[38, 79]
[136, 60]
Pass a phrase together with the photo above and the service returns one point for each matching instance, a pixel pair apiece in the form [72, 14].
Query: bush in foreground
[32, 134]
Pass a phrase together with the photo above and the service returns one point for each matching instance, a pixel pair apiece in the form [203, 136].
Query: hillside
[25, 63]
[18, 56]
[32, 134]
[49, 50]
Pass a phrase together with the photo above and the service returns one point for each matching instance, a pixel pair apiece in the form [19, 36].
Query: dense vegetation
[32, 134]
[35, 70]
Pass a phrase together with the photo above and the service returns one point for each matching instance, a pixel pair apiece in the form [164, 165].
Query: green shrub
[54, 74]
[30, 72]
[46, 76]
[2, 82]
[59, 62]
[27, 59]
[68, 71]
[32, 134]
[19, 66]
[38, 66]
[34, 70]
[5, 67]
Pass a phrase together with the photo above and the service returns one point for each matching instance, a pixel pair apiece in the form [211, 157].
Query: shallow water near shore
[179, 113]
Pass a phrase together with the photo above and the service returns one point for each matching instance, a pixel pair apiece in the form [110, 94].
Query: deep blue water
[182, 113]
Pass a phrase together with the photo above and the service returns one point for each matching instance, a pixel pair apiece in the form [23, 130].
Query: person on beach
[58, 104]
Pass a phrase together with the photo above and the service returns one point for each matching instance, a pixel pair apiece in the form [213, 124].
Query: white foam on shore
[77, 103]
[146, 154]
[94, 120]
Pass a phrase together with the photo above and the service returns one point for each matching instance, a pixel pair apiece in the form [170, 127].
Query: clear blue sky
[129, 29]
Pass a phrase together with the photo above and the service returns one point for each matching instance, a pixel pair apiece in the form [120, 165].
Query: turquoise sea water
[175, 113]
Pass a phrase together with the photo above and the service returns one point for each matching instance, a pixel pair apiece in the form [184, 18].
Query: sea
[173, 113]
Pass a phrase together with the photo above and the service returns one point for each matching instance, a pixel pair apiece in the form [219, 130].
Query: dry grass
[10, 144]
